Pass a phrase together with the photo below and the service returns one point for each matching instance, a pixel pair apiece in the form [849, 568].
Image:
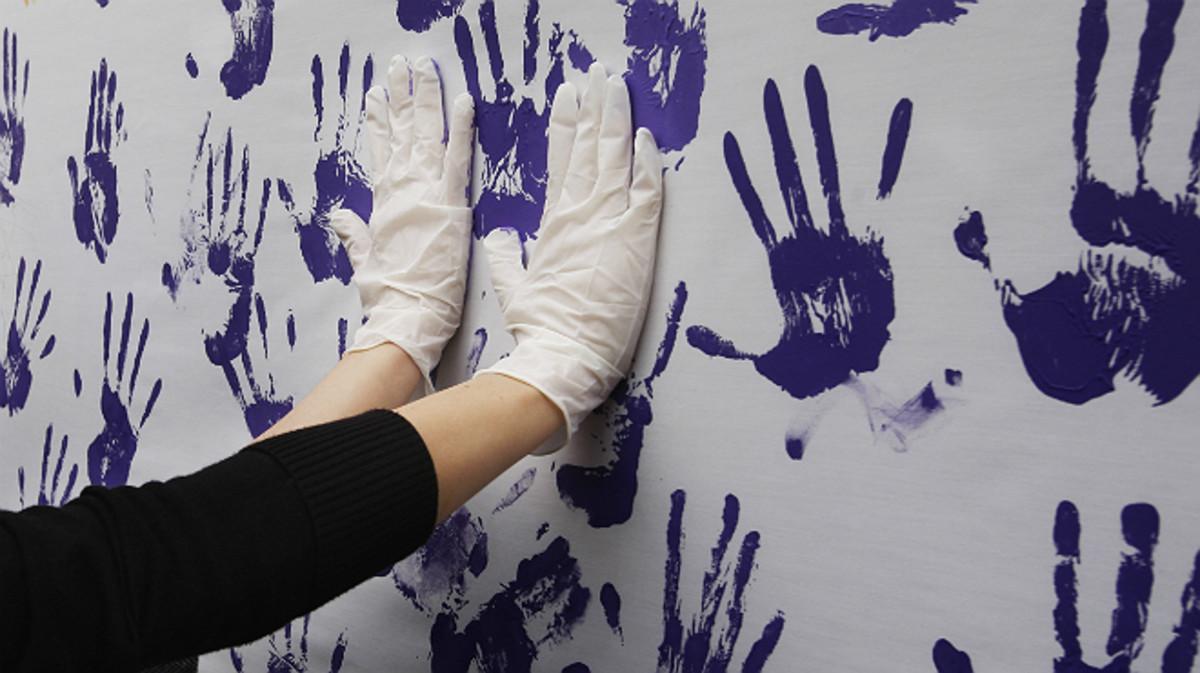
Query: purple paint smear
[834, 288]
[546, 592]
[610, 600]
[252, 22]
[420, 15]
[261, 405]
[701, 645]
[518, 489]
[340, 180]
[607, 492]
[478, 343]
[896, 424]
[667, 65]
[21, 342]
[12, 117]
[899, 19]
[189, 64]
[1135, 579]
[1117, 315]
[433, 578]
[971, 238]
[49, 494]
[110, 454]
[96, 210]
[288, 654]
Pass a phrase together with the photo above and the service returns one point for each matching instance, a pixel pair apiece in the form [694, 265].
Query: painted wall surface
[916, 392]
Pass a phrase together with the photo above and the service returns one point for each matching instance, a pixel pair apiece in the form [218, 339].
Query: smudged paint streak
[49, 494]
[667, 66]
[834, 288]
[900, 19]
[433, 577]
[518, 489]
[478, 344]
[610, 600]
[547, 590]
[971, 238]
[703, 646]
[607, 492]
[15, 86]
[96, 210]
[111, 453]
[22, 337]
[189, 64]
[895, 425]
[1118, 314]
[948, 659]
[420, 15]
[252, 23]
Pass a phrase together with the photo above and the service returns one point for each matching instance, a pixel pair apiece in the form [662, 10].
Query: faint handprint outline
[52, 497]
[96, 208]
[287, 654]
[12, 117]
[16, 373]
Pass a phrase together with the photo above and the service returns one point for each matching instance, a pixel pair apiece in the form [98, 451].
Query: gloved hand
[578, 309]
[410, 266]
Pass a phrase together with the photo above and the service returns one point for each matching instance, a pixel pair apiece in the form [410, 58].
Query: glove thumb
[504, 259]
[353, 233]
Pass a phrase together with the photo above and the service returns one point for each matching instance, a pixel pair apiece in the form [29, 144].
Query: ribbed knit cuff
[371, 492]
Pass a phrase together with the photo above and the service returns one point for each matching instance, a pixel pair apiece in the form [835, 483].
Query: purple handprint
[420, 15]
[547, 591]
[607, 492]
[667, 66]
[16, 376]
[834, 288]
[252, 22]
[341, 181]
[702, 647]
[289, 655]
[1135, 579]
[12, 118]
[111, 453]
[96, 208]
[52, 496]
[1117, 314]
[261, 406]
[434, 577]
[899, 19]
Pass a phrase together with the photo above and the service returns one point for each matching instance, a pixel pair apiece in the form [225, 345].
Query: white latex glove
[410, 265]
[578, 309]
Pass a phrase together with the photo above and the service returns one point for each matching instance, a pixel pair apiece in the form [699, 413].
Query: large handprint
[16, 376]
[252, 23]
[703, 646]
[111, 453]
[834, 287]
[512, 131]
[261, 406]
[12, 118]
[341, 181]
[1129, 308]
[51, 496]
[899, 19]
[1135, 579]
[96, 208]
[607, 492]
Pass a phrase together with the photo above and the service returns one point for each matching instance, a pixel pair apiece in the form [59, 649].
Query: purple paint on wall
[111, 453]
[22, 339]
[899, 19]
[518, 489]
[971, 238]
[1116, 314]
[539, 608]
[420, 15]
[49, 493]
[667, 66]
[607, 492]
[261, 405]
[433, 578]
[189, 64]
[252, 23]
[96, 209]
[896, 424]
[707, 642]
[610, 600]
[948, 659]
[15, 86]
[287, 653]
[478, 343]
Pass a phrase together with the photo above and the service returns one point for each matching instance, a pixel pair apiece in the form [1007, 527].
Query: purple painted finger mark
[478, 344]
[518, 489]
[607, 492]
[12, 117]
[577, 667]
[667, 67]
[948, 659]
[1180, 653]
[900, 19]
[22, 340]
[111, 453]
[543, 529]
[342, 327]
[420, 15]
[252, 23]
[261, 405]
[971, 238]
[610, 600]
[96, 207]
[49, 494]
[434, 577]
[893, 153]
[546, 596]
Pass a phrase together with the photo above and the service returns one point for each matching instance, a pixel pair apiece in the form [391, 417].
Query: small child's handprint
[96, 208]
[703, 645]
[607, 492]
[1117, 314]
[899, 19]
[252, 22]
[16, 374]
[420, 15]
[286, 654]
[667, 67]
[111, 453]
[49, 494]
[834, 288]
[261, 406]
[341, 181]
[12, 118]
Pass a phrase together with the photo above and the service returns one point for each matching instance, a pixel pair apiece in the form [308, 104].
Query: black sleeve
[124, 578]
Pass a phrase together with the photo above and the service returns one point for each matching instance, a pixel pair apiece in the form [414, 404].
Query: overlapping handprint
[96, 209]
[288, 653]
[21, 341]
